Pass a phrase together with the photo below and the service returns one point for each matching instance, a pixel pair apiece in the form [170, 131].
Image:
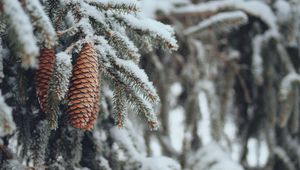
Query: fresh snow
[115, 2]
[137, 72]
[154, 27]
[150, 7]
[212, 157]
[124, 137]
[286, 84]
[283, 10]
[255, 8]
[49, 34]
[7, 125]
[23, 29]
[231, 19]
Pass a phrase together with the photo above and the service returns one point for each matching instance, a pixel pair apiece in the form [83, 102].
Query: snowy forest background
[225, 92]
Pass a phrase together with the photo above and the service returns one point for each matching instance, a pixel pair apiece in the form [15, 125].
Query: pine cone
[83, 95]
[43, 76]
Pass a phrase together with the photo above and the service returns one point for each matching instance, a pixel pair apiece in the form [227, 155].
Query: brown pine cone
[83, 95]
[43, 76]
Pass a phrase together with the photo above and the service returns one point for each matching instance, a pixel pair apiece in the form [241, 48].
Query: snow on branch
[287, 84]
[137, 78]
[157, 30]
[257, 61]
[86, 28]
[288, 97]
[221, 20]
[62, 74]
[159, 162]
[212, 157]
[254, 8]
[41, 22]
[58, 86]
[258, 43]
[7, 125]
[125, 6]
[94, 13]
[141, 106]
[119, 106]
[125, 46]
[128, 140]
[22, 30]
[127, 72]
[132, 84]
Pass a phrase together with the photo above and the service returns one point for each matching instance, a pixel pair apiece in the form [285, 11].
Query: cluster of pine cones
[83, 94]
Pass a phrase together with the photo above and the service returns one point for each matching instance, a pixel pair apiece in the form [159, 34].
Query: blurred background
[230, 94]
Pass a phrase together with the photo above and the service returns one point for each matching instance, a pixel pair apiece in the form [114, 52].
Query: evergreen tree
[63, 63]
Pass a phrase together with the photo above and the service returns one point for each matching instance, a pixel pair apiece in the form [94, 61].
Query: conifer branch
[139, 105]
[7, 125]
[125, 48]
[22, 33]
[135, 77]
[151, 29]
[223, 21]
[58, 86]
[119, 106]
[117, 6]
[41, 22]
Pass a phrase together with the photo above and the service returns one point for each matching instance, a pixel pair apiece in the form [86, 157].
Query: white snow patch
[137, 72]
[204, 124]
[257, 152]
[231, 19]
[159, 163]
[7, 125]
[23, 29]
[212, 157]
[176, 124]
[283, 10]
[286, 84]
[256, 8]
[155, 147]
[154, 27]
[150, 7]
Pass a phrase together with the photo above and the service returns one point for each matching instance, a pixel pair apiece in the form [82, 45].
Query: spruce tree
[71, 84]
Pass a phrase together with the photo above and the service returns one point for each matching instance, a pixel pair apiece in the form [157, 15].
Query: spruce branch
[138, 103]
[41, 22]
[207, 9]
[58, 86]
[223, 20]
[126, 71]
[287, 97]
[117, 6]
[135, 77]
[61, 75]
[22, 33]
[119, 106]
[142, 107]
[157, 32]
[7, 125]
[125, 47]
